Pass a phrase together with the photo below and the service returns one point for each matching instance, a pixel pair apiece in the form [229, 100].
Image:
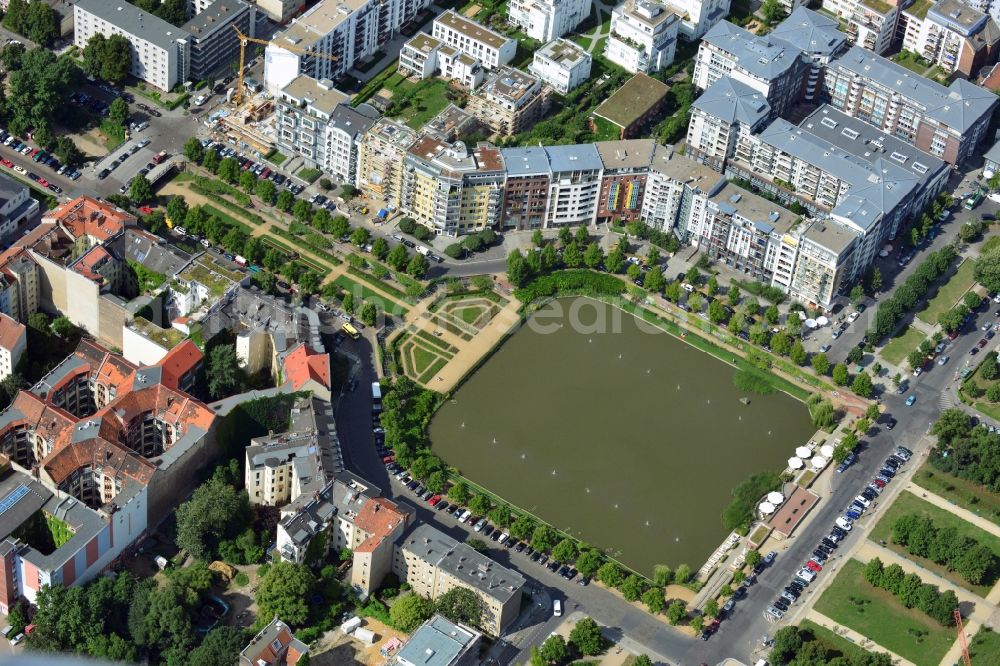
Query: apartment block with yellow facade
[380, 160]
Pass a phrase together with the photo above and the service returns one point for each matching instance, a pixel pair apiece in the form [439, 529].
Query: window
[829, 122]
[899, 157]
[919, 168]
[849, 133]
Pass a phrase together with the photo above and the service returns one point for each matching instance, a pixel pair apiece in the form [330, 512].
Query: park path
[856, 638]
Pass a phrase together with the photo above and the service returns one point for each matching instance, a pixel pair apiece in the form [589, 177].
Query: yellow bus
[351, 331]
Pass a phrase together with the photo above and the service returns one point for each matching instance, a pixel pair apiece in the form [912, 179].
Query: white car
[864, 500]
[844, 524]
[17, 639]
[199, 100]
[853, 316]
[557, 608]
[20, 169]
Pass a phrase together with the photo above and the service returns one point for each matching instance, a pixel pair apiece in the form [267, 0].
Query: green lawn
[422, 359]
[985, 648]
[359, 290]
[275, 157]
[309, 174]
[907, 503]
[582, 41]
[433, 370]
[607, 130]
[832, 642]
[899, 348]
[950, 293]
[852, 602]
[427, 100]
[963, 493]
[470, 314]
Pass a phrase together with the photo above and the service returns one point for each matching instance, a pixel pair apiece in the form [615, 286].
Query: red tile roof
[10, 331]
[179, 361]
[379, 517]
[86, 216]
[303, 364]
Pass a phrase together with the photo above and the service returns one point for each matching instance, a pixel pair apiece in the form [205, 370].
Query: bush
[740, 511]
[241, 579]
[570, 281]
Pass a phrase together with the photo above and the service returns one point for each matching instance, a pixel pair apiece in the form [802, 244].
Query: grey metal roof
[10, 189]
[134, 21]
[581, 157]
[151, 251]
[811, 32]
[530, 161]
[351, 121]
[958, 16]
[882, 183]
[215, 15]
[870, 144]
[766, 57]
[993, 154]
[733, 101]
[462, 562]
[438, 642]
[959, 106]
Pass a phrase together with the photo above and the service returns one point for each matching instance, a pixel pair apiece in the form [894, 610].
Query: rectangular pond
[615, 432]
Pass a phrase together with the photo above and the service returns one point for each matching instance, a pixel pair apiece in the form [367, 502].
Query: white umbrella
[774, 497]
[766, 508]
[826, 450]
[795, 463]
[802, 315]
[822, 321]
[810, 323]
[803, 452]
[883, 254]
[819, 462]
[987, 173]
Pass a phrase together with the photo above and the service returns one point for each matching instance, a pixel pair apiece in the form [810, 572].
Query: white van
[465, 516]
[844, 523]
[557, 608]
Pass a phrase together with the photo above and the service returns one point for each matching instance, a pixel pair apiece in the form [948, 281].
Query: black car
[552, 566]
[797, 586]
[889, 462]
[536, 556]
[751, 579]
[792, 591]
[869, 494]
[488, 530]
[890, 424]
[829, 543]
[104, 174]
[740, 592]
[520, 546]
[887, 471]
[780, 604]
[758, 567]
[543, 559]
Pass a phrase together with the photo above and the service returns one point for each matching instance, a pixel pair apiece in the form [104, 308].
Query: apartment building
[441, 642]
[451, 189]
[424, 56]
[773, 67]
[699, 16]
[718, 117]
[17, 206]
[673, 185]
[562, 65]
[344, 31]
[574, 185]
[279, 11]
[819, 39]
[489, 47]
[991, 7]
[510, 101]
[315, 121]
[213, 41]
[274, 645]
[350, 513]
[282, 468]
[380, 160]
[643, 35]
[546, 20]
[872, 24]
[815, 263]
[160, 51]
[434, 563]
[13, 344]
[952, 35]
[526, 187]
[947, 122]
[625, 167]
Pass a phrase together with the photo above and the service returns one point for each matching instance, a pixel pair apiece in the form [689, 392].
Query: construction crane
[246, 39]
[961, 637]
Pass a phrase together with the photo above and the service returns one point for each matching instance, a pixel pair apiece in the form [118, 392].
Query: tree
[62, 326]
[987, 269]
[582, 236]
[417, 268]
[67, 152]
[712, 286]
[285, 198]
[229, 171]
[716, 312]
[610, 574]
[565, 551]
[140, 191]
[480, 504]
[397, 257]
[409, 612]
[216, 511]
[460, 604]
[676, 611]
[633, 272]
[753, 558]
[360, 236]
[653, 281]
[284, 592]
[712, 608]
[820, 363]
[459, 493]
[12, 54]
[952, 425]
[554, 649]
[265, 189]
[177, 209]
[211, 161]
[586, 636]
[380, 248]
[654, 600]
[798, 353]
[588, 562]
[224, 374]
[771, 314]
[543, 539]
[841, 376]
[772, 11]
[593, 256]
[118, 112]
[522, 527]
[682, 574]
[221, 646]
[672, 291]
[302, 210]
[537, 238]
[632, 588]
[248, 181]
[193, 150]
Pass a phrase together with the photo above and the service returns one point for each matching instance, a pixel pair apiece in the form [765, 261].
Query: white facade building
[643, 35]
[13, 343]
[488, 47]
[562, 64]
[160, 51]
[546, 20]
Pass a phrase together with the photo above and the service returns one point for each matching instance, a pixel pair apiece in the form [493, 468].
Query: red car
[953, 335]
[7, 163]
[434, 500]
[879, 482]
[43, 182]
[389, 458]
[266, 173]
[33, 152]
[814, 566]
